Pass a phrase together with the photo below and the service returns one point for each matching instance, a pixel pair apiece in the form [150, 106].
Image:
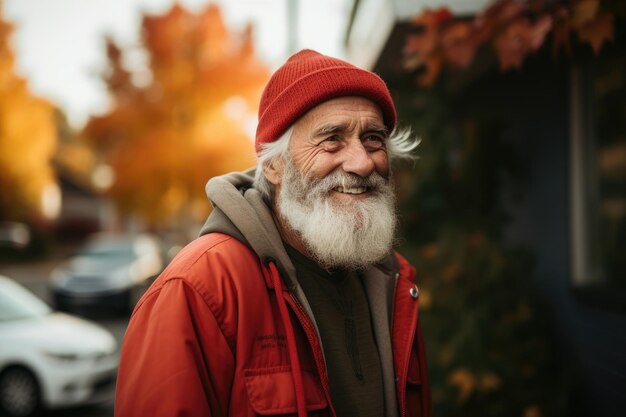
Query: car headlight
[63, 357]
[68, 357]
[120, 278]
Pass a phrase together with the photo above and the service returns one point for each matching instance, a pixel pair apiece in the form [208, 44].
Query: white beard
[351, 235]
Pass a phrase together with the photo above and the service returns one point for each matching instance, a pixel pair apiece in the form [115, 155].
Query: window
[598, 173]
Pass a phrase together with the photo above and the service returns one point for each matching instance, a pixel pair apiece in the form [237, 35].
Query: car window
[17, 303]
[109, 252]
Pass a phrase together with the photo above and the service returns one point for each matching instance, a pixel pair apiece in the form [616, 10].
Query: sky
[59, 44]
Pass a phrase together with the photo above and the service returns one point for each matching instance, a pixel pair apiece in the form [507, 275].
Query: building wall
[534, 104]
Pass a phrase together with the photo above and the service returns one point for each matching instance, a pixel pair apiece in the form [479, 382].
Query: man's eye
[374, 141]
[331, 143]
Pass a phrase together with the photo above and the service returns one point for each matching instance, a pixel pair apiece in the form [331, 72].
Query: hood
[239, 211]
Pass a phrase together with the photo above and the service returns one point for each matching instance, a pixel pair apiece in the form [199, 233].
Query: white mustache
[345, 180]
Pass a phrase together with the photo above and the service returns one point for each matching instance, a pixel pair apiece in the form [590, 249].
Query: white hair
[339, 234]
[270, 152]
[400, 145]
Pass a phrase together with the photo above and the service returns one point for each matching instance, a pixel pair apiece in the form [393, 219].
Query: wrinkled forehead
[343, 114]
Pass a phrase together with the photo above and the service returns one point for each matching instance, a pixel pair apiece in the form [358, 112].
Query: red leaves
[520, 38]
[459, 44]
[513, 29]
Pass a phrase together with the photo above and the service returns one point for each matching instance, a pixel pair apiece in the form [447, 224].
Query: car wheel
[19, 392]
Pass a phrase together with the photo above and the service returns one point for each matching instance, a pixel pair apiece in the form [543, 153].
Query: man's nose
[358, 160]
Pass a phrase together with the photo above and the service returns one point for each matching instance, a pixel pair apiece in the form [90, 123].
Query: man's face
[333, 191]
[346, 134]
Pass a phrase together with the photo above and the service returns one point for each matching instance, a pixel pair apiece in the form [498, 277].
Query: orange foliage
[165, 137]
[27, 141]
[512, 28]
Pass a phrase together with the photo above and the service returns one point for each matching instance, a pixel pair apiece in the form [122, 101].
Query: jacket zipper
[311, 335]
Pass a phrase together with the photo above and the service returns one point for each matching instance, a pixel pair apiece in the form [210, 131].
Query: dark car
[110, 272]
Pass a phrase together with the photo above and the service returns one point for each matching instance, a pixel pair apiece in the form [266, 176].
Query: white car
[50, 359]
[111, 271]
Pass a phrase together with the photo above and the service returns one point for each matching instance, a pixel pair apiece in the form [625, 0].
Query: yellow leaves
[445, 355]
[426, 299]
[430, 251]
[165, 139]
[589, 22]
[532, 410]
[172, 199]
[598, 31]
[27, 142]
[464, 381]
[77, 158]
[451, 272]
[583, 12]
[467, 382]
[488, 382]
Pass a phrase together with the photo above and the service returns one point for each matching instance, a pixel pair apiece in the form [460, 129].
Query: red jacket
[208, 339]
[212, 338]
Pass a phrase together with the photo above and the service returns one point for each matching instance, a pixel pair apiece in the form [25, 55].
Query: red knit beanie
[308, 79]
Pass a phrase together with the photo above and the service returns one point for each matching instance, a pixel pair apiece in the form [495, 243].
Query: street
[34, 276]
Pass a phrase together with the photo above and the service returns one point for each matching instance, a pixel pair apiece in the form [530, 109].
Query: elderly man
[292, 301]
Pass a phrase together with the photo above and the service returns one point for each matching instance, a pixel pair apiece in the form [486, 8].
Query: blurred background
[115, 113]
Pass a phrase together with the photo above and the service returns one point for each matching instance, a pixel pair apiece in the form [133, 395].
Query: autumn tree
[27, 142]
[172, 128]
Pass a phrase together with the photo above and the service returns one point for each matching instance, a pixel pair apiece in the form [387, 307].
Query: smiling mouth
[351, 190]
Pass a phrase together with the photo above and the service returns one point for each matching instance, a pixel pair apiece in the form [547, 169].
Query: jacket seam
[210, 303]
[203, 252]
[195, 290]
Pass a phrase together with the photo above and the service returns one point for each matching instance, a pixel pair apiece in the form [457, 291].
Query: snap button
[414, 292]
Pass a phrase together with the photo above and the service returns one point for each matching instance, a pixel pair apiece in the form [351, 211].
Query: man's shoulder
[205, 279]
[213, 250]
[213, 267]
[208, 258]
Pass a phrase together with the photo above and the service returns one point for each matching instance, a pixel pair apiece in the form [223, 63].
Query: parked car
[111, 271]
[14, 235]
[50, 359]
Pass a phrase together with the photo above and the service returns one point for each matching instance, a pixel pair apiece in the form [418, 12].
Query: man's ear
[273, 171]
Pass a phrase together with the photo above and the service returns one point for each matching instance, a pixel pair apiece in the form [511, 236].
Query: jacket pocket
[271, 391]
